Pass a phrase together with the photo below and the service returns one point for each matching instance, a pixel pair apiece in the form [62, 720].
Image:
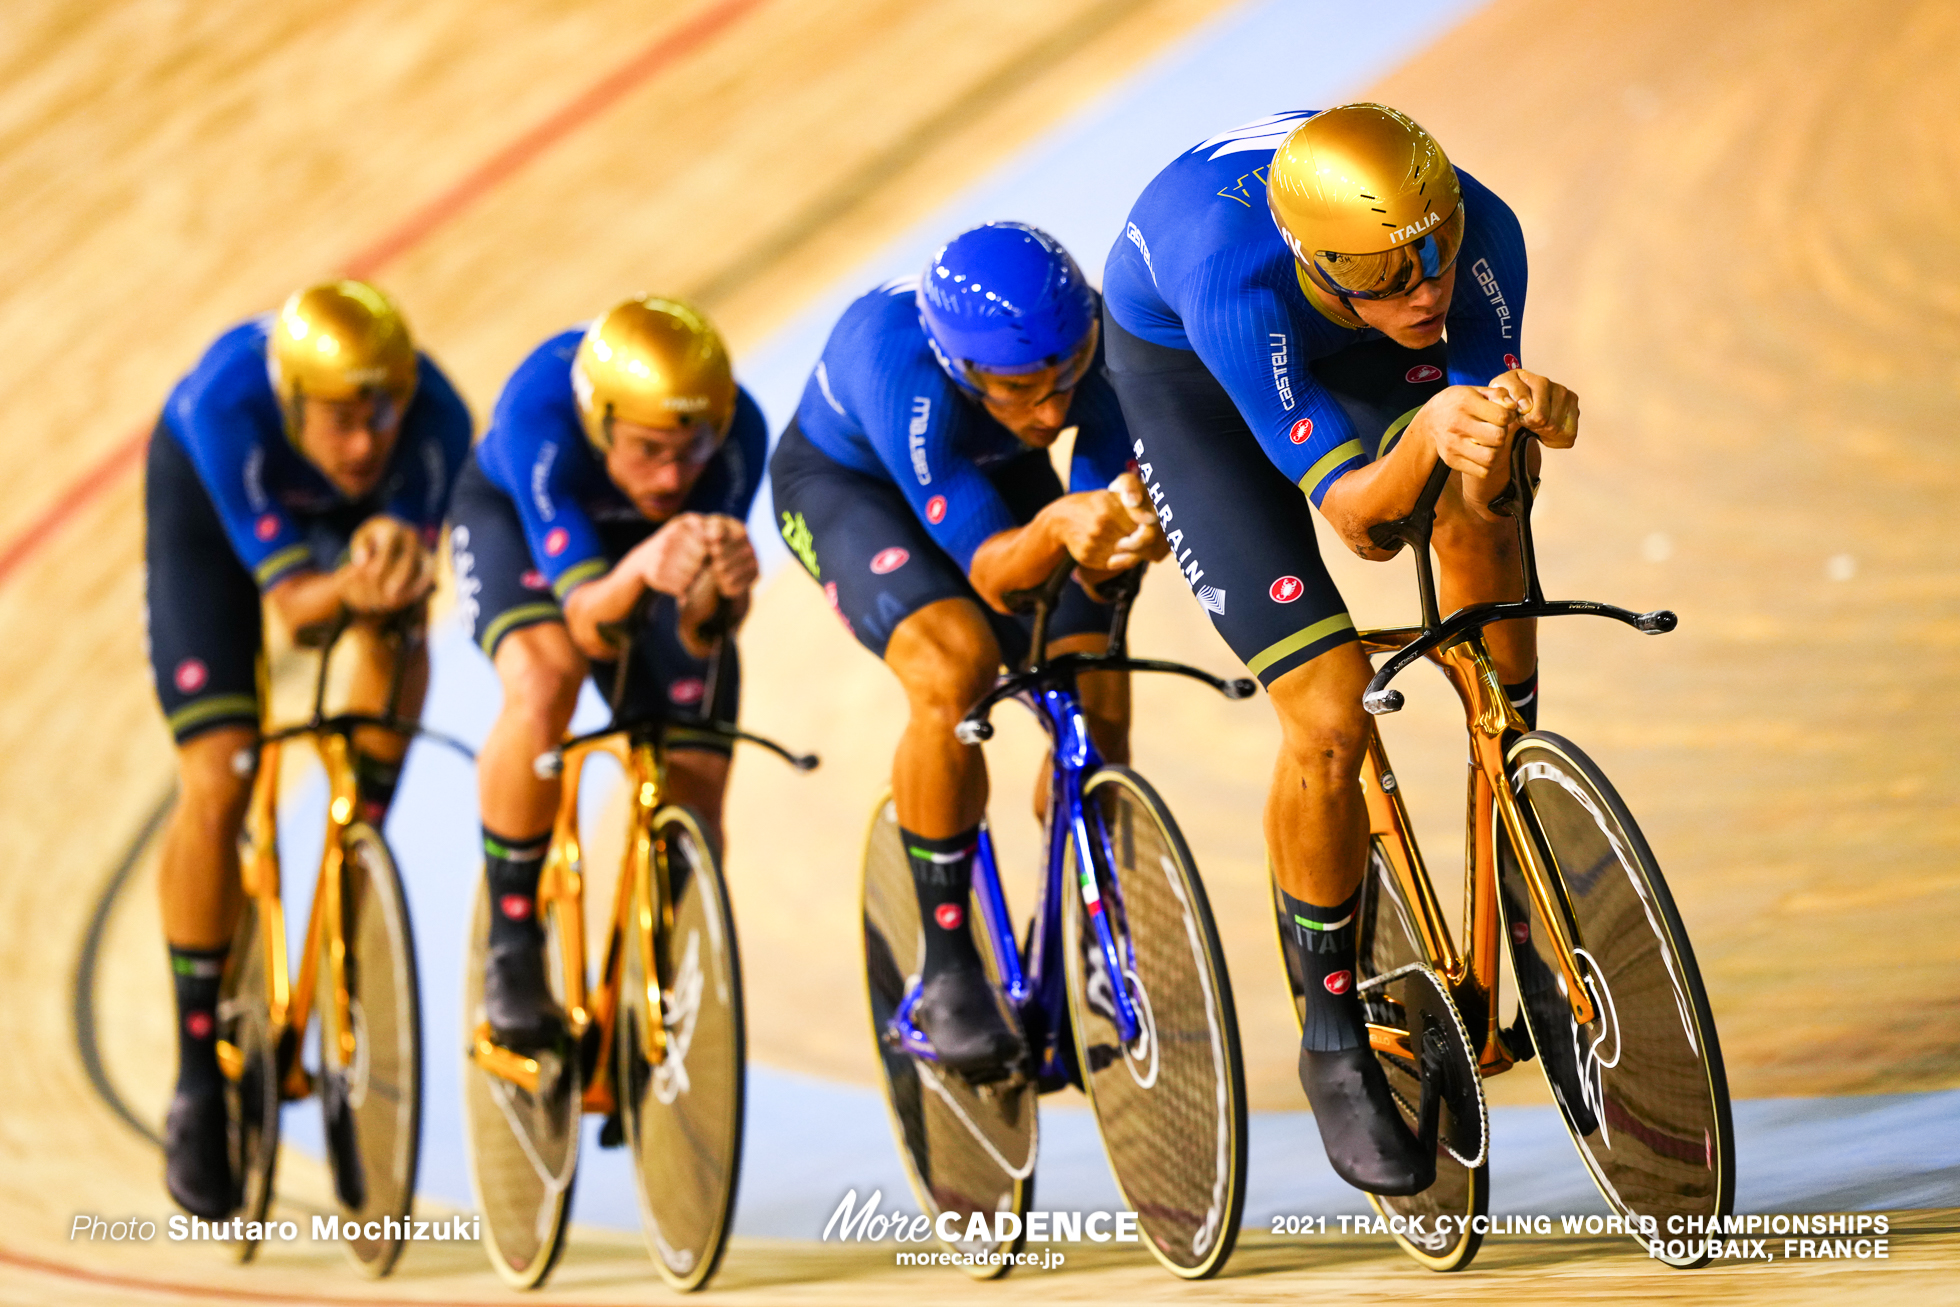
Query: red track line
[485, 177]
[479, 181]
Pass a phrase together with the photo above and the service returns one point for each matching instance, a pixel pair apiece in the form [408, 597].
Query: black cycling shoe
[197, 1154]
[1366, 1140]
[517, 999]
[958, 1011]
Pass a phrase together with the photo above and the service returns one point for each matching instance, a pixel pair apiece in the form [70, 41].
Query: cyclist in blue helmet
[916, 487]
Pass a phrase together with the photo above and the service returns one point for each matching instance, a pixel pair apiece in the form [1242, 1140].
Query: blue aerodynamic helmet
[1003, 297]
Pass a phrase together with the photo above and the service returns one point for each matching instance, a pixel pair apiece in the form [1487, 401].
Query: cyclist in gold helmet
[621, 460]
[1317, 308]
[304, 463]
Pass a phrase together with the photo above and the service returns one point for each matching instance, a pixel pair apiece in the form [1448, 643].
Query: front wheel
[523, 1142]
[1641, 1087]
[249, 1055]
[371, 1068]
[682, 1104]
[1170, 1102]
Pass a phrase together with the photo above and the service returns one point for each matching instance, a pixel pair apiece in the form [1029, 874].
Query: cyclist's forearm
[1019, 558]
[306, 598]
[602, 601]
[1379, 492]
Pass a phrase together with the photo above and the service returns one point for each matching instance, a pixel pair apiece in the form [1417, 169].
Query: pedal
[501, 1062]
[1516, 1039]
[612, 1134]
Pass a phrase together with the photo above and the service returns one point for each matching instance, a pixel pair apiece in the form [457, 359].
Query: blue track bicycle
[1119, 987]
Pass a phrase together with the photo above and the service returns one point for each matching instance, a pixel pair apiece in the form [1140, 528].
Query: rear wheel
[372, 1097]
[1386, 942]
[251, 1071]
[1170, 1103]
[1642, 1086]
[683, 1113]
[523, 1143]
[966, 1149]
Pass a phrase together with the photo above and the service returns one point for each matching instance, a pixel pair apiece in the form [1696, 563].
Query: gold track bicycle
[357, 967]
[656, 1045]
[1611, 1001]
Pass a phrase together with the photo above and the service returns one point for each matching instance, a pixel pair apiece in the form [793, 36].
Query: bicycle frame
[641, 900]
[290, 1000]
[1459, 648]
[1036, 984]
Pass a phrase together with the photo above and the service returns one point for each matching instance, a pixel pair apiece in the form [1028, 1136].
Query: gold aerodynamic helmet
[1368, 203]
[341, 340]
[660, 363]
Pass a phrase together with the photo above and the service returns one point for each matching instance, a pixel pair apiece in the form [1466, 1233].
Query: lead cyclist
[1283, 325]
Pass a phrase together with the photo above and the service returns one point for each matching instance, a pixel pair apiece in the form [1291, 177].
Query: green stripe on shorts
[200, 711]
[513, 618]
[1299, 640]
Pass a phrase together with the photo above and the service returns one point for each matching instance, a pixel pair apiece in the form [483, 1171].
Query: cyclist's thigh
[201, 605]
[498, 588]
[859, 539]
[1240, 532]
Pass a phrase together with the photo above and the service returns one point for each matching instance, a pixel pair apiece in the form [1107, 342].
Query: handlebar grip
[973, 731]
[1382, 702]
[1413, 527]
[1021, 601]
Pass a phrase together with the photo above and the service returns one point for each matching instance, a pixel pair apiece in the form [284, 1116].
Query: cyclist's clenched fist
[1468, 426]
[1544, 407]
[387, 568]
[731, 557]
[1110, 530]
[668, 560]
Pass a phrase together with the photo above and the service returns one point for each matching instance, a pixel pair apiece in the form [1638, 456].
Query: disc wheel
[1386, 942]
[682, 1113]
[966, 1149]
[1170, 1103]
[523, 1145]
[1641, 1087]
[371, 1098]
[252, 1096]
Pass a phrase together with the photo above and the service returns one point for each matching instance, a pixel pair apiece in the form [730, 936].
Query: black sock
[374, 786]
[196, 972]
[512, 867]
[942, 872]
[1320, 949]
[1524, 699]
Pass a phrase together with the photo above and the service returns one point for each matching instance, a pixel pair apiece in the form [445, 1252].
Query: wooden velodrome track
[1730, 211]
